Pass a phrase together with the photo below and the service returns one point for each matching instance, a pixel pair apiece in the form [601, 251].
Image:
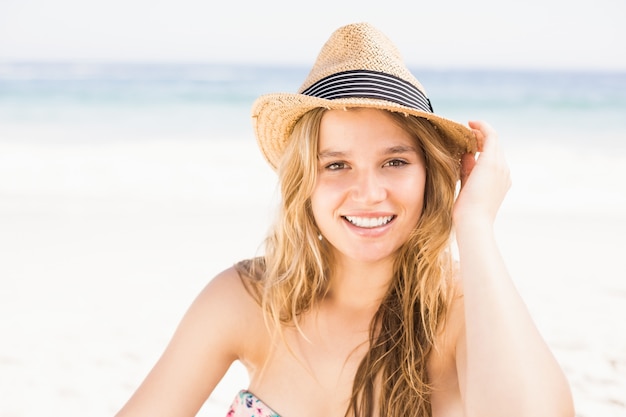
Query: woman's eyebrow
[392, 150]
[326, 154]
[400, 149]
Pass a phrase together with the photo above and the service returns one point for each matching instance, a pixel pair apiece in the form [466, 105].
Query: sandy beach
[104, 246]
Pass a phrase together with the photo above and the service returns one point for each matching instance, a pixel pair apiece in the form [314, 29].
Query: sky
[534, 34]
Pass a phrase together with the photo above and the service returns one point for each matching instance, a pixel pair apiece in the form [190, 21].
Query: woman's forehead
[341, 126]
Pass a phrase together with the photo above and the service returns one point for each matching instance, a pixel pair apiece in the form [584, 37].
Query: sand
[104, 246]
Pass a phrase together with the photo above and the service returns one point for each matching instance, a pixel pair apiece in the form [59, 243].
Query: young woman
[356, 307]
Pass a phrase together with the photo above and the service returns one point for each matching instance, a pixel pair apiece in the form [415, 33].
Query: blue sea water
[564, 132]
[211, 100]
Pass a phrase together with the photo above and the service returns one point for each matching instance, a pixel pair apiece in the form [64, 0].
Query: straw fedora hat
[357, 67]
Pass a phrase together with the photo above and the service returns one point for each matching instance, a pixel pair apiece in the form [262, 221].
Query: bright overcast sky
[563, 34]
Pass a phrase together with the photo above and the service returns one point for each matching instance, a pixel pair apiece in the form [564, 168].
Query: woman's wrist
[472, 222]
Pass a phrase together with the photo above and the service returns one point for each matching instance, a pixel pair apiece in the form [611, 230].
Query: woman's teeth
[368, 222]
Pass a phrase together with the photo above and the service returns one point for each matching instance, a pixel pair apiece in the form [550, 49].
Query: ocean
[564, 130]
[202, 98]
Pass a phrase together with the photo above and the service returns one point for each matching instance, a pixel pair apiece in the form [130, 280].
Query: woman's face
[370, 186]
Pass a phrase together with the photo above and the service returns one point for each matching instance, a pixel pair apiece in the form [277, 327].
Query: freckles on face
[369, 192]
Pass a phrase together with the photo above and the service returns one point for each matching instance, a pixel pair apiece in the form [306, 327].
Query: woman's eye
[396, 163]
[335, 166]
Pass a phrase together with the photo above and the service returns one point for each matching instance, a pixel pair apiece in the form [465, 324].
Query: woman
[356, 307]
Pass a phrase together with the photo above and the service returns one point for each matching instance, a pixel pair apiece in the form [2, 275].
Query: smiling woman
[356, 308]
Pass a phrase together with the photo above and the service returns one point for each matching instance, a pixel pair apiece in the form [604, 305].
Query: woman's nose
[369, 188]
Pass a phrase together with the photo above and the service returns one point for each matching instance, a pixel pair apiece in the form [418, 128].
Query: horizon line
[298, 65]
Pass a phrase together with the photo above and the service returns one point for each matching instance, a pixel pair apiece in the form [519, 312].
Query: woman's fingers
[482, 132]
[485, 176]
[468, 161]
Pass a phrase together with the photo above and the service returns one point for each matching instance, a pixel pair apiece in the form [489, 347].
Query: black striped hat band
[370, 84]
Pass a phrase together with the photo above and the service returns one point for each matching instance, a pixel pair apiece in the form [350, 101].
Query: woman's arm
[203, 347]
[505, 368]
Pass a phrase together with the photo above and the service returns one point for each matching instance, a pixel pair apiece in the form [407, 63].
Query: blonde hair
[293, 274]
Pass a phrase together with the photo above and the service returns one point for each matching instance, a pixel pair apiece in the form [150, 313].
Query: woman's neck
[359, 285]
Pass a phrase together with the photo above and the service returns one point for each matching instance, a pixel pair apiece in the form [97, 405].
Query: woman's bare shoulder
[230, 296]
[213, 333]
[232, 299]
[228, 283]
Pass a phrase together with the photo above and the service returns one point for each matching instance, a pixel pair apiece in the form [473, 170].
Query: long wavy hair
[293, 274]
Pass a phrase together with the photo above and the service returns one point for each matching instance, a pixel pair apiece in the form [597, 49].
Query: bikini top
[246, 404]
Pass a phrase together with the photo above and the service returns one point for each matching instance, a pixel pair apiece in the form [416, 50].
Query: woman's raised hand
[485, 178]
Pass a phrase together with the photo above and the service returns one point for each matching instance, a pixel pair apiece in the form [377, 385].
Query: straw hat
[357, 67]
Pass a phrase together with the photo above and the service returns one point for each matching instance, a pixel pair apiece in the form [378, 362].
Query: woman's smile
[372, 226]
[369, 222]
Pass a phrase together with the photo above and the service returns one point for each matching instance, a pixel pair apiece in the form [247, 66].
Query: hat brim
[275, 115]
